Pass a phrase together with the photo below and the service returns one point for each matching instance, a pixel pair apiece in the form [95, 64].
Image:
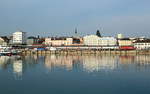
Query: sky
[61, 17]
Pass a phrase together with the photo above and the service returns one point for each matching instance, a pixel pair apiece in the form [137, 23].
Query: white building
[107, 41]
[19, 37]
[91, 40]
[142, 44]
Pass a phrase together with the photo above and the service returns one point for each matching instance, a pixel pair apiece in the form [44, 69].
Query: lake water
[87, 74]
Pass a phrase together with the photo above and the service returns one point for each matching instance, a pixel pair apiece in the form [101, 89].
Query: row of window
[142, 44]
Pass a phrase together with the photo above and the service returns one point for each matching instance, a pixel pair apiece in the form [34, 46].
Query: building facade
[91, 40]
[125, 42]
[4, 41]
[59, 41]
[19, 37]
[119, 36]
[142, 44]
[32, 40]
[107, 41]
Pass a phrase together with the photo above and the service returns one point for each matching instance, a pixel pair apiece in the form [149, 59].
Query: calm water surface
[89, 74]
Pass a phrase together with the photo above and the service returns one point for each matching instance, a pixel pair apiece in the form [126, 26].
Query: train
[127, 48]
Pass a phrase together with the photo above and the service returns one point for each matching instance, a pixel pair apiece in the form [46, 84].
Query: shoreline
[80, 52]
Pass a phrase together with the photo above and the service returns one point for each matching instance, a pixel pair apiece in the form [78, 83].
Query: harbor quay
[85, 51]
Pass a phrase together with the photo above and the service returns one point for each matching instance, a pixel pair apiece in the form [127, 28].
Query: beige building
[125, 42]
[4, 41]
[58, 41]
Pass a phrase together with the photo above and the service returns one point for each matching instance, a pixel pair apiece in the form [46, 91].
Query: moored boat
[8, 51]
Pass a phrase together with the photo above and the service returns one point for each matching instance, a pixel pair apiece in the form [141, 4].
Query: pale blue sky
[60, 17]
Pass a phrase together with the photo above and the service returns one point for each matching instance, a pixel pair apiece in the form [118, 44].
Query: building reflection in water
[4, 60]
[87, 63]
[13, 65]
[54, 61]
[92, 63]
[143, 62]
[137, 63]
[143, 59]
[97, 63]
[127, 59]
[18, 69]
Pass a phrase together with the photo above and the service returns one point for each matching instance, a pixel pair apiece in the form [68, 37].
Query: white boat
[51, 48]
[4, 52]
[8, 51]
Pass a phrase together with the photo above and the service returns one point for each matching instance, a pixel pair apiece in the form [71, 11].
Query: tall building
[19, 37]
